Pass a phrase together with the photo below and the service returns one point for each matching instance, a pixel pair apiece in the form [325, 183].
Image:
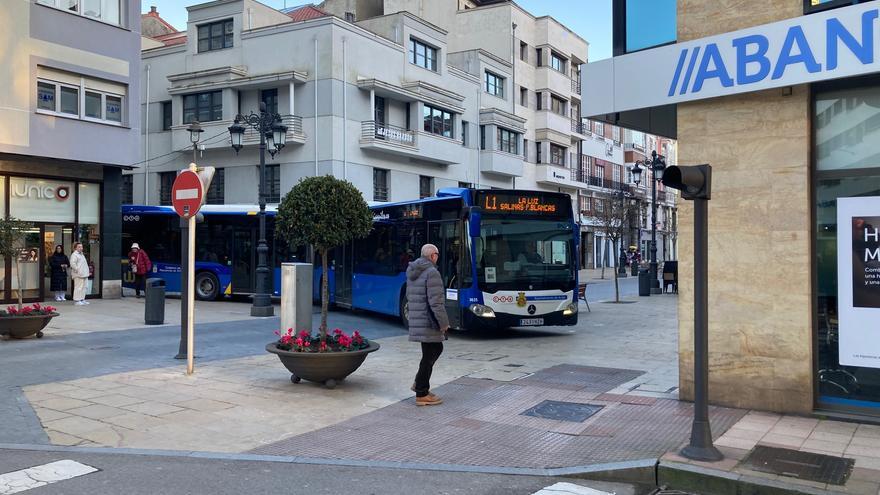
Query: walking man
[428, 322]
[79, 271]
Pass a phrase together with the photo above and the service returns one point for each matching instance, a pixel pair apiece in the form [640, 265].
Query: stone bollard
[296, 297]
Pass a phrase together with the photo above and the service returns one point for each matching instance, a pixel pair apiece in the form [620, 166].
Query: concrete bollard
[296, 297]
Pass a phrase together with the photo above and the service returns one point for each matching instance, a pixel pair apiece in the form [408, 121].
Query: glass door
[54, 235]
[243, 260]
[27, 267]
[445, 235]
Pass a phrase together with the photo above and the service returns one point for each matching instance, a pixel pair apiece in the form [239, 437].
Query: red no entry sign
[187, 194]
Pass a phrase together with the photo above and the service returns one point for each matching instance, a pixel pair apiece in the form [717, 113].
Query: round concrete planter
[20, 327]
[321, 367]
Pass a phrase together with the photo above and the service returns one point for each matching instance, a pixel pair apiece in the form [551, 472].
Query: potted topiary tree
[323, 212]
[21, 321]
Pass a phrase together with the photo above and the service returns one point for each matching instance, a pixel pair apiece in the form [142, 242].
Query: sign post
[187, 197]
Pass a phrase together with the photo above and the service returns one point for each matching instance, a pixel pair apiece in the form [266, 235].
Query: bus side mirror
[474, 222]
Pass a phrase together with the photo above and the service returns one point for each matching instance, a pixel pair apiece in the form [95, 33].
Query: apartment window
[203, 107]
[523, 51]
[350, 17]
[599, 128]
[273, 183]
[102, 10]
[538, 60]
[615, 134]
[215, 36]
[482, 137]
[525, 149]
[166, 115]
[426, 186]
[557, 62]
[540, 98]
[64, 98]
[166, 182]
[380, 184]
[557, 105]
[127, 189]
[437, 121]
[660, 15]
[524, 96]
[422, 55]
[615, 173]
[557, 154]
[507, 141]
[464, 132]
[69, 100]
[538, 153]
[270, 98]
[465, 185]
[215, 195]
[494, 84]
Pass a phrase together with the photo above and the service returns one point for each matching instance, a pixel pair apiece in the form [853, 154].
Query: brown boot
[428, 400]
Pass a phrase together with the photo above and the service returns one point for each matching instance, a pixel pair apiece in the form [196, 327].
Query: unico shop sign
[40, 200]
[829, 45]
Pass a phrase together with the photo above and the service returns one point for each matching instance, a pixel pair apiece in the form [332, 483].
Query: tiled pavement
[481, 423]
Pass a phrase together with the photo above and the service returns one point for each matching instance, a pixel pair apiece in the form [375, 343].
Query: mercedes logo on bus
[532, 309]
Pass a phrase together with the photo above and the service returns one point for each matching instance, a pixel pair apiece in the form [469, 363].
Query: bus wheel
[404, 311]
[207, 286]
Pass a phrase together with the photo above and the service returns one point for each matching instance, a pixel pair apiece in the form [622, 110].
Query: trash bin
[644, 282]
[154, 294]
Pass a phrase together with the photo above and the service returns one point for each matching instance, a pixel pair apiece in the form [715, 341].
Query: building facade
[411, 96]
[779, 98]
[71, 123]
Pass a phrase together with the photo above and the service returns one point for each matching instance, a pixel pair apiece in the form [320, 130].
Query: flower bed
[337, 341]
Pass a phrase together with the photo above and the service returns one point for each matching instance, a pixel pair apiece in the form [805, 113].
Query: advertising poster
[858, 272]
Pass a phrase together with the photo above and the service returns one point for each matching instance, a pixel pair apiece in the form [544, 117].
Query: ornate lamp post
[269, 127]
[657, 164]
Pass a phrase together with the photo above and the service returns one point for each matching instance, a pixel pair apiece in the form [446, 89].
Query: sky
[590, 19]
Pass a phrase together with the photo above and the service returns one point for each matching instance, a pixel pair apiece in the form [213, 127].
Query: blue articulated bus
[225, 247]
[507, 258]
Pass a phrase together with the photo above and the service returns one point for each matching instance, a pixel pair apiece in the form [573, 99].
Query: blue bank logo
[754, 61]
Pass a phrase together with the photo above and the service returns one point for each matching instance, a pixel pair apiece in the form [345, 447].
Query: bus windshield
[524, 255]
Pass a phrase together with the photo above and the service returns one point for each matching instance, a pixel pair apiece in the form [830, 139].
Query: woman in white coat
[79, 271]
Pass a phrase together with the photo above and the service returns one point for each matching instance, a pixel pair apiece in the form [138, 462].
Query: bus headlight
[570, 310]
[482, 311]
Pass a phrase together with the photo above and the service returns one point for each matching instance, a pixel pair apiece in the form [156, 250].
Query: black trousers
[139, 283]
[430, 353]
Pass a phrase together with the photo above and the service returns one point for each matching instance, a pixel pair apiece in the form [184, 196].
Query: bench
[582, 294]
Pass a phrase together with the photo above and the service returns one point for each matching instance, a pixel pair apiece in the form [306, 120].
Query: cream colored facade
[760, 292]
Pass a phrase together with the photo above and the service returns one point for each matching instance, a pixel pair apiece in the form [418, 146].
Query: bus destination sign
[522, 203]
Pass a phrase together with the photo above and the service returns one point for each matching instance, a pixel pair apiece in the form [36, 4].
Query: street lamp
[195, 135]
[268, 126]
[657, 163]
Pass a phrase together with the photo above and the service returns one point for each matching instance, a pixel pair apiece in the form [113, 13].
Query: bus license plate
[525, 322]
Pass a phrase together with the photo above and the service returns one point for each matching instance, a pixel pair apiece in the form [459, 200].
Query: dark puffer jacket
[425, 296]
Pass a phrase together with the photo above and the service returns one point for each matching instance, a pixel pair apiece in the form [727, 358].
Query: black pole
[655, 284]
[701, 448]
[621, 265]
[262, 303]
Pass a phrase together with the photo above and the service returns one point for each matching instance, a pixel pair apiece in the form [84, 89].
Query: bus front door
[446, 236]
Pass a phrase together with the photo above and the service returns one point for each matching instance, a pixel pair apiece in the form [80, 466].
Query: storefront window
[90, 233]
[846, 123]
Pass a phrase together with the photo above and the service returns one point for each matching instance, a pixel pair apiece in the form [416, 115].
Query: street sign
[187, 194]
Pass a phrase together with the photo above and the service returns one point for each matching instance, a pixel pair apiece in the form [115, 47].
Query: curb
[626, 472]
[708, 481]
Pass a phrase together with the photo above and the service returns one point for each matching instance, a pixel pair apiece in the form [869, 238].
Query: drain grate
[562, 411]
[803, 465]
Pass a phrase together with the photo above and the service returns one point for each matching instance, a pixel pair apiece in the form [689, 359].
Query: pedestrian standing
[58, 264]
[428, 322]
[140, 265]
[79, 271]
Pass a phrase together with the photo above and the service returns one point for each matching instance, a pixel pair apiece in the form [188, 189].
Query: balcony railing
[294, 129]
[575, 86]
[393, 134]
[577, 126]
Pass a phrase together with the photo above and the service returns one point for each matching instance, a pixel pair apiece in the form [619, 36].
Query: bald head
[428, 250]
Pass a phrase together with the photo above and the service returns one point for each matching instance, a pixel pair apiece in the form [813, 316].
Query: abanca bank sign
[829, 45]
